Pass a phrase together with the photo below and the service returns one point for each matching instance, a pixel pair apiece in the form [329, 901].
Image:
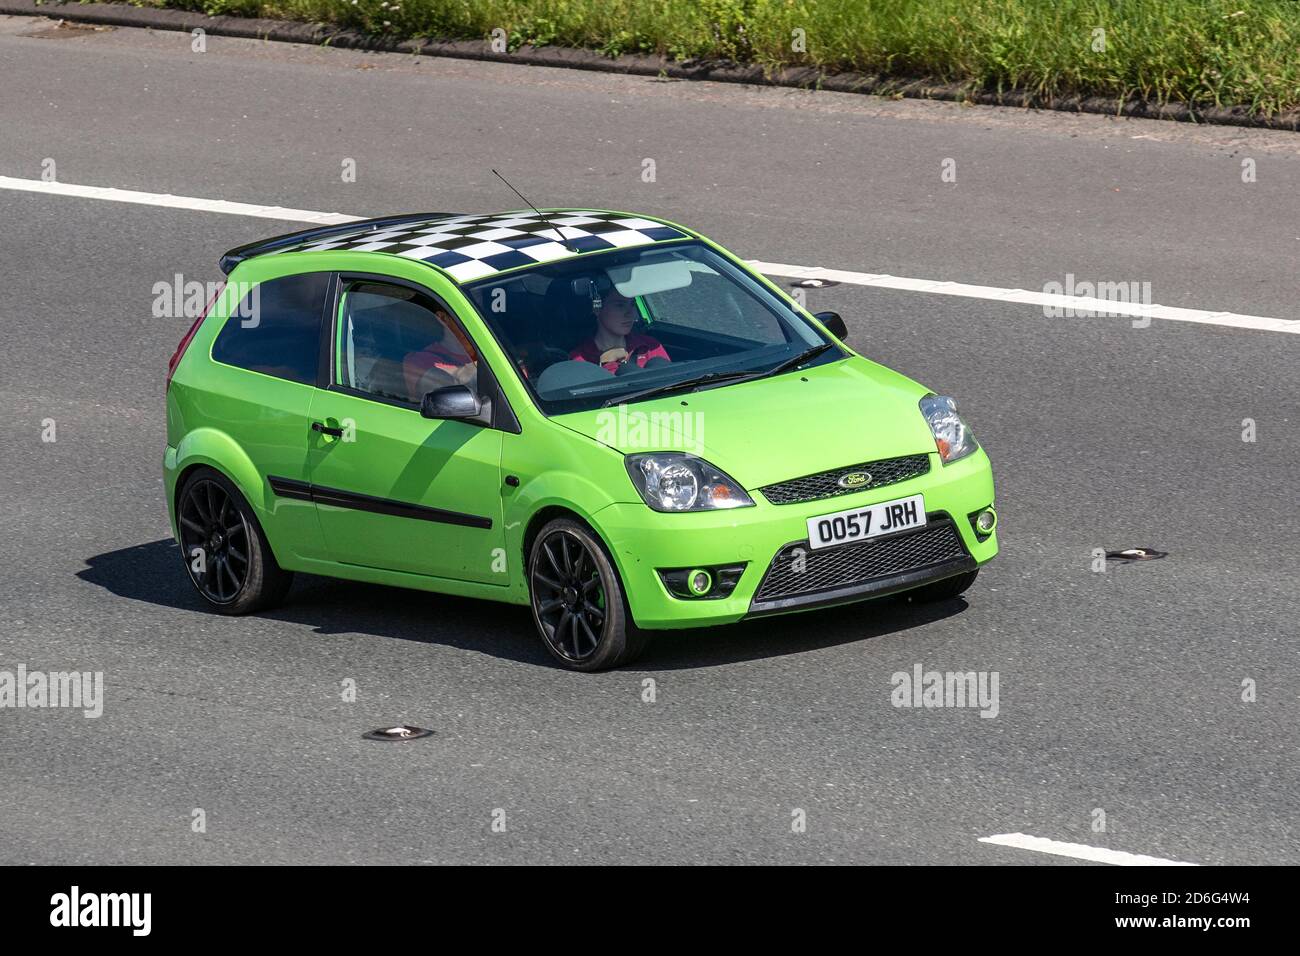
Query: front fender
[569, 490]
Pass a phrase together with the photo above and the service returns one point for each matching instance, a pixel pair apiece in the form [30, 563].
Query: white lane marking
[934, 286]
[175, 202]
[1079, 303]
[1078, 851]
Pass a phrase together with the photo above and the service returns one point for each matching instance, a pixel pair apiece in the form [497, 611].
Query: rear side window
[275, 330]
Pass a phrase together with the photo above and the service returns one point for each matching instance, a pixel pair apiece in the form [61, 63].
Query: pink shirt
[440, 355]
[640, 349]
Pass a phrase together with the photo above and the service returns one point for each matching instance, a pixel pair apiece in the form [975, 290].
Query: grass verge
[1201, 53]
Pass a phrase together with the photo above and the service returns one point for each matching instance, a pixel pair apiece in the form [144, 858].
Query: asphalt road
[1119, 690]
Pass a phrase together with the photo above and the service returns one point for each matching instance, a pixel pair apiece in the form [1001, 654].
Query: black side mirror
[451, 401]
[834, 324]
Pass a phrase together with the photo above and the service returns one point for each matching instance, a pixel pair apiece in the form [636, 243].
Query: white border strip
[934, 286]
[175, 202]
[1078, 851]
[1102, 307]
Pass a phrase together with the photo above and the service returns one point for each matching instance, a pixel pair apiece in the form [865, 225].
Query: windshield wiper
[710, 378]
[706, 379]
[797, 360]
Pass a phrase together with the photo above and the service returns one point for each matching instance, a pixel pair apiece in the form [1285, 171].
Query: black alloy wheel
[214, 540]
[577, 600]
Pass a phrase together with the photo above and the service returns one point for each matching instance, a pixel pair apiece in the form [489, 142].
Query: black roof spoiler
[235, 256]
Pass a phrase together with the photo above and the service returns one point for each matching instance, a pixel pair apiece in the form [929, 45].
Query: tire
[944, 590]
[237, 573]
[578, 603]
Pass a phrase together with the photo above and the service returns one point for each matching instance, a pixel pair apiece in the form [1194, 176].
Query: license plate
[859, 524]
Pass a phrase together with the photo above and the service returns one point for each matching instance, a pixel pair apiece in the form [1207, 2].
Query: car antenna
[563, 242]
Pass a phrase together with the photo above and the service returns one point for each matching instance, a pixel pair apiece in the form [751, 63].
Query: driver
[445, 357]
[614, 343]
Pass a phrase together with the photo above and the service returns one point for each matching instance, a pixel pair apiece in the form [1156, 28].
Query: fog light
[986, 521]
[709, 584]
[700, 582]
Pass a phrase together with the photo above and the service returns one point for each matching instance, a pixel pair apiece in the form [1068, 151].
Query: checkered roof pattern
[471, 247]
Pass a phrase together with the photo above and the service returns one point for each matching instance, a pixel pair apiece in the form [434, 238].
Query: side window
[276, 328]
[395, 344]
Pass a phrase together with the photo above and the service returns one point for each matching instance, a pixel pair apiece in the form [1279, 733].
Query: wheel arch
[218, 451]
[214, 449]
[548, 513]
[544, 516]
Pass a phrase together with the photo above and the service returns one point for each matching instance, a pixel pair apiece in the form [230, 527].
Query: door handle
[326, 429]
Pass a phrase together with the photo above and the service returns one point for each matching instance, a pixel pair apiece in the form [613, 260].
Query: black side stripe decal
[288, 488]
[301, 490]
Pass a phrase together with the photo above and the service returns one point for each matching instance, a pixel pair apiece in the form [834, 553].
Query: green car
[601, 415]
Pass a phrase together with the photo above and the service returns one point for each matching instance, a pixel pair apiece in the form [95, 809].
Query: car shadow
[152, 573]
[796, 633]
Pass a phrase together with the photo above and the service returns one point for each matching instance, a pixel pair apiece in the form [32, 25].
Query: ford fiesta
[604, 416]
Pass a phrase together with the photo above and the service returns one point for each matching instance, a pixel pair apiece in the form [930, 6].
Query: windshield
[625, 324]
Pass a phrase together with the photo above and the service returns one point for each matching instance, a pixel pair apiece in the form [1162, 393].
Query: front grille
[830, 569]
[825, 484]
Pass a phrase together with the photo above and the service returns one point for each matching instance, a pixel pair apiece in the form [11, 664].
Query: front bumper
[799, 579]
[643, 541]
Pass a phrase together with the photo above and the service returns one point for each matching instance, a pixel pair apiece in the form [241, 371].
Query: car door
[265, 366]
[393, 489]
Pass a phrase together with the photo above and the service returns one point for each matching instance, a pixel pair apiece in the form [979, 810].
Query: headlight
[951, 435]
[675, 481]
